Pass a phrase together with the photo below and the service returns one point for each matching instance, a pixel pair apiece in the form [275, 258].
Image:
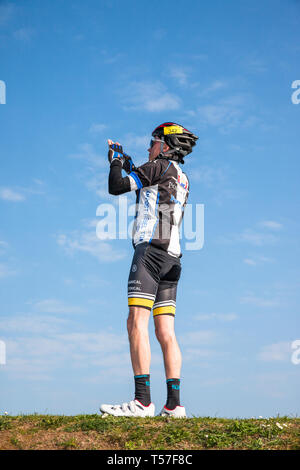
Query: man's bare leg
[165, 333]
[137, 327]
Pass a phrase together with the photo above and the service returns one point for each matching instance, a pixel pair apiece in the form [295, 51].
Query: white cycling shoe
[133, 408]
[178, 412]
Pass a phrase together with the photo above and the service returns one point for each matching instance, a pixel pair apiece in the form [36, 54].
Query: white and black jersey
[162, 190]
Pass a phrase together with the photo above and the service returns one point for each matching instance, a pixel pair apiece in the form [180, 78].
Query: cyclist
[162, 190]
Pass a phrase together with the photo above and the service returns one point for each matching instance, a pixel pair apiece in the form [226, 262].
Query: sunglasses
[152, 142]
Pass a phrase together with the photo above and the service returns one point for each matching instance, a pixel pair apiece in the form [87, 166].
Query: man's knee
[164, 334]
[137, 320]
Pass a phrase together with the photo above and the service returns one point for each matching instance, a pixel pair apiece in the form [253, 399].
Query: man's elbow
[114, 191]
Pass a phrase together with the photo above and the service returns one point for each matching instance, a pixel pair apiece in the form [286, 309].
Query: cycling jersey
[162, 190]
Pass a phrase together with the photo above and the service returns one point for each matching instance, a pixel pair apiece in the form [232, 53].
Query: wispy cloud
[256, 238]
[215, 86]
[210, 176]
[57, 306]
[97, 128]
[136, 143]
[251, 237]
[90, 155]
[48, 349]
[3, 247]
[6, 12]
[87, 242]
[149, 96]
[32, 324]
[259, 301]
[224, 317]
[195, 338]
[23, 34]
[159, 34]
[179, 74]
[258, 260]
[226, 114]
[6, 271]
[8, 194]
[281, 351]
[20, 193]
[254, 64]
[271, 224]
[110, 57]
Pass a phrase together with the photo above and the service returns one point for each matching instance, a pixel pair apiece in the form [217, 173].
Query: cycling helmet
[180, 140]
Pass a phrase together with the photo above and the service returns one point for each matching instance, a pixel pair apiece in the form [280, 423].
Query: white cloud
[257, 260]
[23, 34]
[250, 236]
[281, 351]
[6, 271]
[209, 176]
[271, 224]
[87, 153]
[45, 352]
[57, 306]
[149, 96]
[259, 301]
[226, 317]
[256, 238]
[215, 86]
[136, 142]
[8, 194]
[87, 242]
[195, 338]
[3, 247]
[254, 64]
[179, 74]
[31, 323]
[226, 113]
[250, 261]
[97, 128]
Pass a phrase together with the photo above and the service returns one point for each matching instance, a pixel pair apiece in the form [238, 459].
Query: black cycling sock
[173, 400]
[142, 389]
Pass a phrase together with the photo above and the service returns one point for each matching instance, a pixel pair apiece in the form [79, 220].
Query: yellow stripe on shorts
[166, 309]
[140, 302]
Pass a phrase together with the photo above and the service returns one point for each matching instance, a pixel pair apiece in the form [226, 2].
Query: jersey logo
[182, 180]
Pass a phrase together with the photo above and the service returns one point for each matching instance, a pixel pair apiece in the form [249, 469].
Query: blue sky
[77, 73]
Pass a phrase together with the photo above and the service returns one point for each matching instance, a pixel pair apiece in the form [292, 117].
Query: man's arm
[116, 183]
[143, 176]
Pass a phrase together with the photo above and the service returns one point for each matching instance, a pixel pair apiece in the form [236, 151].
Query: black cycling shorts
[153, 279]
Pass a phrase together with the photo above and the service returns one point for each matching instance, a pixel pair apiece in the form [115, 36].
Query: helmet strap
[171, 154]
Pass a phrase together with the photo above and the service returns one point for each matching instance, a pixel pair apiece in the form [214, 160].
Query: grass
[94, 432]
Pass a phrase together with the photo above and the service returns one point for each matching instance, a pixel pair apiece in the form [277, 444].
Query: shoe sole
[105, 414]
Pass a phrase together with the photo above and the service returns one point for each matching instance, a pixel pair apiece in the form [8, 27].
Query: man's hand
[115, 151]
